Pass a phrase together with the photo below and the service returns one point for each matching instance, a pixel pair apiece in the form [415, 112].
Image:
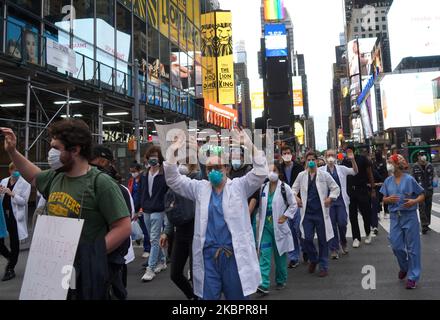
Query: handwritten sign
[49, 266]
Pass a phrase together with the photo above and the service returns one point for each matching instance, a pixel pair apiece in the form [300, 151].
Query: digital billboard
[273, 10]
[407, 100]
[298, 99]
[360, 62]
[275, 36]
[257, 101]
[220, 115]
[414, 30]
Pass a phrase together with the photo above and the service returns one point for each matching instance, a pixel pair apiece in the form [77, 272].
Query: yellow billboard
[225, 58]
[209, 60]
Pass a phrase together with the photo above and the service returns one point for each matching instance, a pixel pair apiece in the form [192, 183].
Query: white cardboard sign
[50, 263]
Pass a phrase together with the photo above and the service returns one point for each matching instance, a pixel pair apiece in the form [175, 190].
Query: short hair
[12, 166]
[285, 148]
[135, 165]
[154, 149]
[100, 151]
[72, 133]
[311, 153]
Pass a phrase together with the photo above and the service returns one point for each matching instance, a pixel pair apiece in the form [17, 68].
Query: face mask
[54, 159]
[331, 160]
[135, 174]
[390, 168]
[423, 158]
[16, 174]
[273, 176]
[312, 164]
[153, 162]
[183, 170]
[216, 177]
[236, 164]
[287, 157]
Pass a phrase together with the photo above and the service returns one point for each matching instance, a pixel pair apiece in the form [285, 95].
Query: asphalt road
[343, 283]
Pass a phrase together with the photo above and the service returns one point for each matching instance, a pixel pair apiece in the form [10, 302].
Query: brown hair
[154, 149]
[311, 153]
[72, 133]
[285, 148]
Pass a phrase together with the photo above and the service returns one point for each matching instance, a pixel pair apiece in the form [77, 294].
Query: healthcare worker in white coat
[339, 210]
[224, 256]
[277, 205]
[14, 197]
[318, 191]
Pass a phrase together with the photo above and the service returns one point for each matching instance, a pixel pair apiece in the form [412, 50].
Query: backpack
[177, 209]
[283, 193]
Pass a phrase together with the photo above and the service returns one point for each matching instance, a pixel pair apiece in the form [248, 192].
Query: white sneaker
[148, 276]
[160, 267]
[368, 239]
[356, 243]
[146, 255]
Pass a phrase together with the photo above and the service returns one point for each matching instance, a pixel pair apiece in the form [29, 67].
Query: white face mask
[135, 174]
[287, 157]
[331, 160]
[183, 170]
[390, 168]
[54, 159]
[423, 158]
[273, 176]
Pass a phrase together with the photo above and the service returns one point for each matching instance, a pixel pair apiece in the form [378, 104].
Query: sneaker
[281, 286]
[262, 290]
[356, 243]
[368, 239]
[402, 275]
[149, 275]
[323, 273]
[334, 255]
[375, 231]
[411, 284]
[9, 275]
[312, 267]
[145, 255]
[344, 249]
[160, 267]
[293, 264]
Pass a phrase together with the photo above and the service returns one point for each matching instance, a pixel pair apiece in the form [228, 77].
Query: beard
[67, 162]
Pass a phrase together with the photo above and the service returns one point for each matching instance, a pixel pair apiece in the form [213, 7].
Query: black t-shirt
[7, 198]
[361, 179]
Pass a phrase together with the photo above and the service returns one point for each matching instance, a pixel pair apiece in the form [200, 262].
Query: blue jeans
[296, 234]
[338, 215]
[154, 223]
[147, 245]
[315, 221]
[405, 241]
[221, 276]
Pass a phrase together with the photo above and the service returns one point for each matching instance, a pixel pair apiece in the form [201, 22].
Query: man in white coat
[318, 191]
[14, 197]
[224, 256]
[339, 209]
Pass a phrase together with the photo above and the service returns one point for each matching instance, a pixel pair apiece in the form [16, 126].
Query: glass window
[140, 40]
[123, 52]
[377, 27]
[33, 6]
[384, 18]
[370, 35]
[164, 61]
[155, 68]
[384, 27]
[59, 12]
[356, 29]
[105, 11]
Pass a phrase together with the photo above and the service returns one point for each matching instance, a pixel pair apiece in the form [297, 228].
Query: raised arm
[27, 169]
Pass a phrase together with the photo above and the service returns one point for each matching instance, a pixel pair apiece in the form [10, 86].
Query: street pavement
[343, 283]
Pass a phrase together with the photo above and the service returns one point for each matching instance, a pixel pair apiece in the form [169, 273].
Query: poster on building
[209, 60]
[60, 56]
[49, 268]
[257, 101]
[220, 115]
[299, 132]
[298, 98]
[225, 58]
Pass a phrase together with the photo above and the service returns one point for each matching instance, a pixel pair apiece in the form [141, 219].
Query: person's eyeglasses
[217, 167]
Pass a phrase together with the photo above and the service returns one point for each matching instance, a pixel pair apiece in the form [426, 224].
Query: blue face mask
[312, 164]
[16, 174]
[236, 164]
[216, 177]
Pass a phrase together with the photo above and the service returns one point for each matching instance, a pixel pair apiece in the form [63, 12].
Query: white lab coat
[130, 253]
[236, 213]
[343, 172]
[22, 190]
[324, 184]
[283, 235]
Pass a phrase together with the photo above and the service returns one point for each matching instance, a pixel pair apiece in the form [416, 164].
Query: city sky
[317, 26]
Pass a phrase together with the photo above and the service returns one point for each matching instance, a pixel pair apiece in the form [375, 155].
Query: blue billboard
[275, 36]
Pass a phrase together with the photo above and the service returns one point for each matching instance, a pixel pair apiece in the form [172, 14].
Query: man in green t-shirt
[72, 187]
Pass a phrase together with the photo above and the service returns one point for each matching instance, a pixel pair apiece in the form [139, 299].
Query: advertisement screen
[414, 30]
[257, 100]
[298, 99]
[275, 36]
[299, 132]
[220, 115]
[407, 100]
[360, 61]
[273, 10]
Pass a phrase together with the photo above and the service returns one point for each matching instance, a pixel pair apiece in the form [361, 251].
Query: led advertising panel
[275, 36]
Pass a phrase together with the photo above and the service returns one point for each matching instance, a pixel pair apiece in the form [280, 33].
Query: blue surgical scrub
[314, 220]
[338, 216]
[404, 224]
[221, 272]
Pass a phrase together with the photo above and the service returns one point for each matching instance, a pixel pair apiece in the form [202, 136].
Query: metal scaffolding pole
[68, 104]
[100, 120]
[28, 116]
[136, 110]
